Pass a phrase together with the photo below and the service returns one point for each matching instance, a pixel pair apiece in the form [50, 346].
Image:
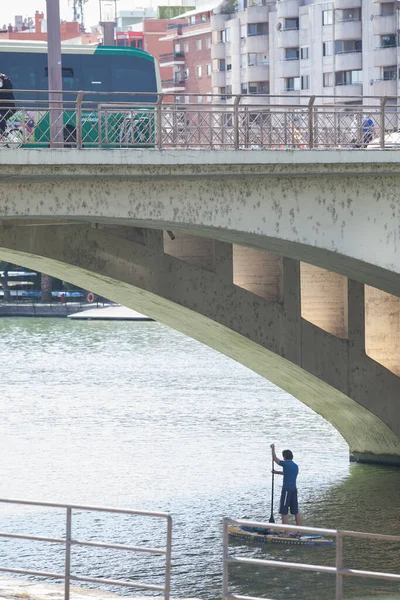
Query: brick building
[190, 59]
[70, 31]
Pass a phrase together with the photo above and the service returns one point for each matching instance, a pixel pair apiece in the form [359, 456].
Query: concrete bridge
[288, 262]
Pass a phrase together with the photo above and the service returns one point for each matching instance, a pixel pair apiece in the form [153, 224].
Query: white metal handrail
[337, 570]
[69, 542]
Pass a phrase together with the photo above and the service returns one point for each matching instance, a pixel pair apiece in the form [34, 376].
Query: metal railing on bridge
[248, 122]
[338, 570]
[69, 542]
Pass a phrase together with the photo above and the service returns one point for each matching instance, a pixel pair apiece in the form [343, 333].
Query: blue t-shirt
[367, 125]
[290, 472]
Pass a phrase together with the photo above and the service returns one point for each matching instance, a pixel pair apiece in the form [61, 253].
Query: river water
[139, 416]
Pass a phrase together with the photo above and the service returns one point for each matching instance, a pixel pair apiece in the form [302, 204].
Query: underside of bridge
[331, 341]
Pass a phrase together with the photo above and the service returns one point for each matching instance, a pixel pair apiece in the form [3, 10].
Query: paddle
[271, 519]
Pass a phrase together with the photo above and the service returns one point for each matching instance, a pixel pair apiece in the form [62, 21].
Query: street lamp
[54, 73]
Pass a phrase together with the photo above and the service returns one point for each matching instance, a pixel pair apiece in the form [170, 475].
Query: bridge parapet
[251, 122]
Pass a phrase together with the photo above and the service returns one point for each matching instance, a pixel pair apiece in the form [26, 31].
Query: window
[186, 73]
[292, 54]
[228, 90]
[259, 87]
[193, 20]
[209, 98]
[344, 46]
[292, 84]
[208, 43]
[178, 99]
[228, 34]
[208, 69]
[229, 67]
[186, 47]
[198, 70]
[327, 48]
[291, 23]
[388, 41]
[257, 58]
[222, 92]
[198, 44]
[243, 88]
[243, 30]
[348, 14]
[387, 8]
[389, 73]
[200, 99]
[305, 82]
[328, 80]
[257, 29]
[140, 44]
[327, 17]
[304, 53]
[187, 99]
[203, 17]
[221, 65]
[348, 77]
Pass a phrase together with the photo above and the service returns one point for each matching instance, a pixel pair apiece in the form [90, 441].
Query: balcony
[385, 57]
[353, 89]
[172, 58]
[288, 38]
[383, 25]
[218, 22]
[177, 84]
[288, 9]
[348, 3]
[348, 30]
[348, 61]
[218, 79]
[289, 68]
[218, 51]
[258, 73]
[384, 87]
[257, 43]
[257, 14]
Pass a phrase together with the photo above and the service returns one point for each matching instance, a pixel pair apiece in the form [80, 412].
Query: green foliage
[169, 12]
[229, 7]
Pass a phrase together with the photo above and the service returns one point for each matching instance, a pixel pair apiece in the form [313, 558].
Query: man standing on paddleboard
[289, 489]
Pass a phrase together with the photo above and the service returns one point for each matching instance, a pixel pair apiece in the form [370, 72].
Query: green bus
[98, 71]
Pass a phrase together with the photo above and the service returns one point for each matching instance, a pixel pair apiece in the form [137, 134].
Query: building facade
[336, 49]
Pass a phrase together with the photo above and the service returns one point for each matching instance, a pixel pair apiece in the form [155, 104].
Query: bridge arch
[136, 276]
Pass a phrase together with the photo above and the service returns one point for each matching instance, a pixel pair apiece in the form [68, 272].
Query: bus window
[121, 42]
[133, 43]
[140, 44]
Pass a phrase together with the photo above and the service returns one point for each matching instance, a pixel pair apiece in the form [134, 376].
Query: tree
[46, 286]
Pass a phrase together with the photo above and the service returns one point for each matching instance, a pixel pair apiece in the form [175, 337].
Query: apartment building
[335, 49]
[190, 59]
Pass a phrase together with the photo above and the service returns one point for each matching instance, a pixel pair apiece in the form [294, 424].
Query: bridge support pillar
[324, 299]
[382, 328]
[258, 272]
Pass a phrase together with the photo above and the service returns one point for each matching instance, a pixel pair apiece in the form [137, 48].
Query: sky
[27, 8]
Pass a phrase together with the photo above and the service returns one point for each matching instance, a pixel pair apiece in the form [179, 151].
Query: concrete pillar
[290, 338]
[192, 249]
[258, 272]
[382, 328]
[324, 299]
[356, 333]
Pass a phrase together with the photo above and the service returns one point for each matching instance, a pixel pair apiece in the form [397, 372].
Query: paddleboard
[267, 536]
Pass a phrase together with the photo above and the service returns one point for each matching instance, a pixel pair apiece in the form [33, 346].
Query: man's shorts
[289, 500]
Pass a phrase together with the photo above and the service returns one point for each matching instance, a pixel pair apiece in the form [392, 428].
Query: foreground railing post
[225, 564]
[168, 559]
[311, 122]
[68, 532]
[236, 121]
[382, 122]
[339, 564]
[78, 120]
[159, 121]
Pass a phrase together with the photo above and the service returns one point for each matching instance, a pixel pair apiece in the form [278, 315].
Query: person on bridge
[7, 101]
[289, 487]
[368, 127]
